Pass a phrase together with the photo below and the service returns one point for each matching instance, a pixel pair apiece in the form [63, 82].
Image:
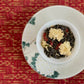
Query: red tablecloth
[14, 14]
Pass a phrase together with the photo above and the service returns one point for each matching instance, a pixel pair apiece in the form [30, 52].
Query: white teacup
[74, 50]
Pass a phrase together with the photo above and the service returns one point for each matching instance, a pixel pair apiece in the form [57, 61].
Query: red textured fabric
[14, 14]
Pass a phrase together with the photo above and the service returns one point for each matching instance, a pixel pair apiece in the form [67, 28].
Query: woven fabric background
[14, 14]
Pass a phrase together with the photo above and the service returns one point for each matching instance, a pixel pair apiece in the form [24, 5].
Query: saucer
[31, 53]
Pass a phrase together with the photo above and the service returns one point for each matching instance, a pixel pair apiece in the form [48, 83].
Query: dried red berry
[58, 46]
[66, 30]
[45, 37]
[44, 34]
[51, 43]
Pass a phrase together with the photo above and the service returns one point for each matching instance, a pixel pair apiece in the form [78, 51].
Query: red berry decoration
[66, 30]
[58, 46]
[45, 37]
[44, 34]
[51, 43]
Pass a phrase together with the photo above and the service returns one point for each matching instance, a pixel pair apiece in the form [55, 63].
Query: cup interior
[74, 50]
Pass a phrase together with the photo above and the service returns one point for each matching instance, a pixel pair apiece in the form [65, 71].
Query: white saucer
[29, 47]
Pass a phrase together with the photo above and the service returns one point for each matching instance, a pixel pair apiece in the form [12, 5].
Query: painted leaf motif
[34, 42]
[34, 60]
[28, 44]
[23, 44]
[55, 74]
[26, 58]
[36, 54]
[32, 21]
